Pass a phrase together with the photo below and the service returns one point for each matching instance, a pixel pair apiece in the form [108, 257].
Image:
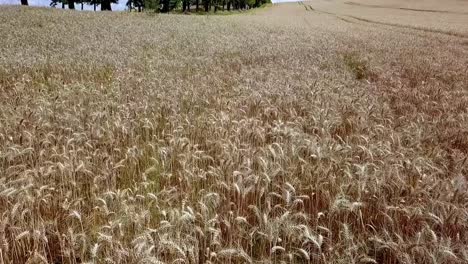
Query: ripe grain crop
[288, 135]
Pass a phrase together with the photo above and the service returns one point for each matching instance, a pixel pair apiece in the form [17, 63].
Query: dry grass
[287, 135]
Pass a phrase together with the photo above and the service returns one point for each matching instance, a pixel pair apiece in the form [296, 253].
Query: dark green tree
[82, 2]
[106, 5]
[54, 3]
[166, 6]
[185, 5]
[70, 3]
[135, 4]
[95, 3]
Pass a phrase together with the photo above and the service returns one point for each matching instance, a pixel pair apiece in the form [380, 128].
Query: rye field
[325, 131]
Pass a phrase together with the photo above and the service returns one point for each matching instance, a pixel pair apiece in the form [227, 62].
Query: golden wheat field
[314, 132]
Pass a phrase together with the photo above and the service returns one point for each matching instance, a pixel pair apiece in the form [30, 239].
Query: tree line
[164, 6]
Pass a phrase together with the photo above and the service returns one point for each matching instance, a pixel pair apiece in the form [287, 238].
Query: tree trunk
[165, 8]
[207, 6]
[229, 5]
[82, 4]
[197, 5]
[63, 5]
[71, 4]
[216, 8]
[106, 5]
[184, 5]
[94, 7]
[24, 2]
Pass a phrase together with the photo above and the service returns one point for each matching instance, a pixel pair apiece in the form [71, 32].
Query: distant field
[310, 132]
[447, 16]
[455, 6]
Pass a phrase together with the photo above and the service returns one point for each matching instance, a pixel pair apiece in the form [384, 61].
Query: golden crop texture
[312, 132]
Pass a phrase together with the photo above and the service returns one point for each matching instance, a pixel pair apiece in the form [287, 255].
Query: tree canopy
[165, 6]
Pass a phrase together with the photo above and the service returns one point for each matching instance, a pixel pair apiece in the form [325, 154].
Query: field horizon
[323, 131]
